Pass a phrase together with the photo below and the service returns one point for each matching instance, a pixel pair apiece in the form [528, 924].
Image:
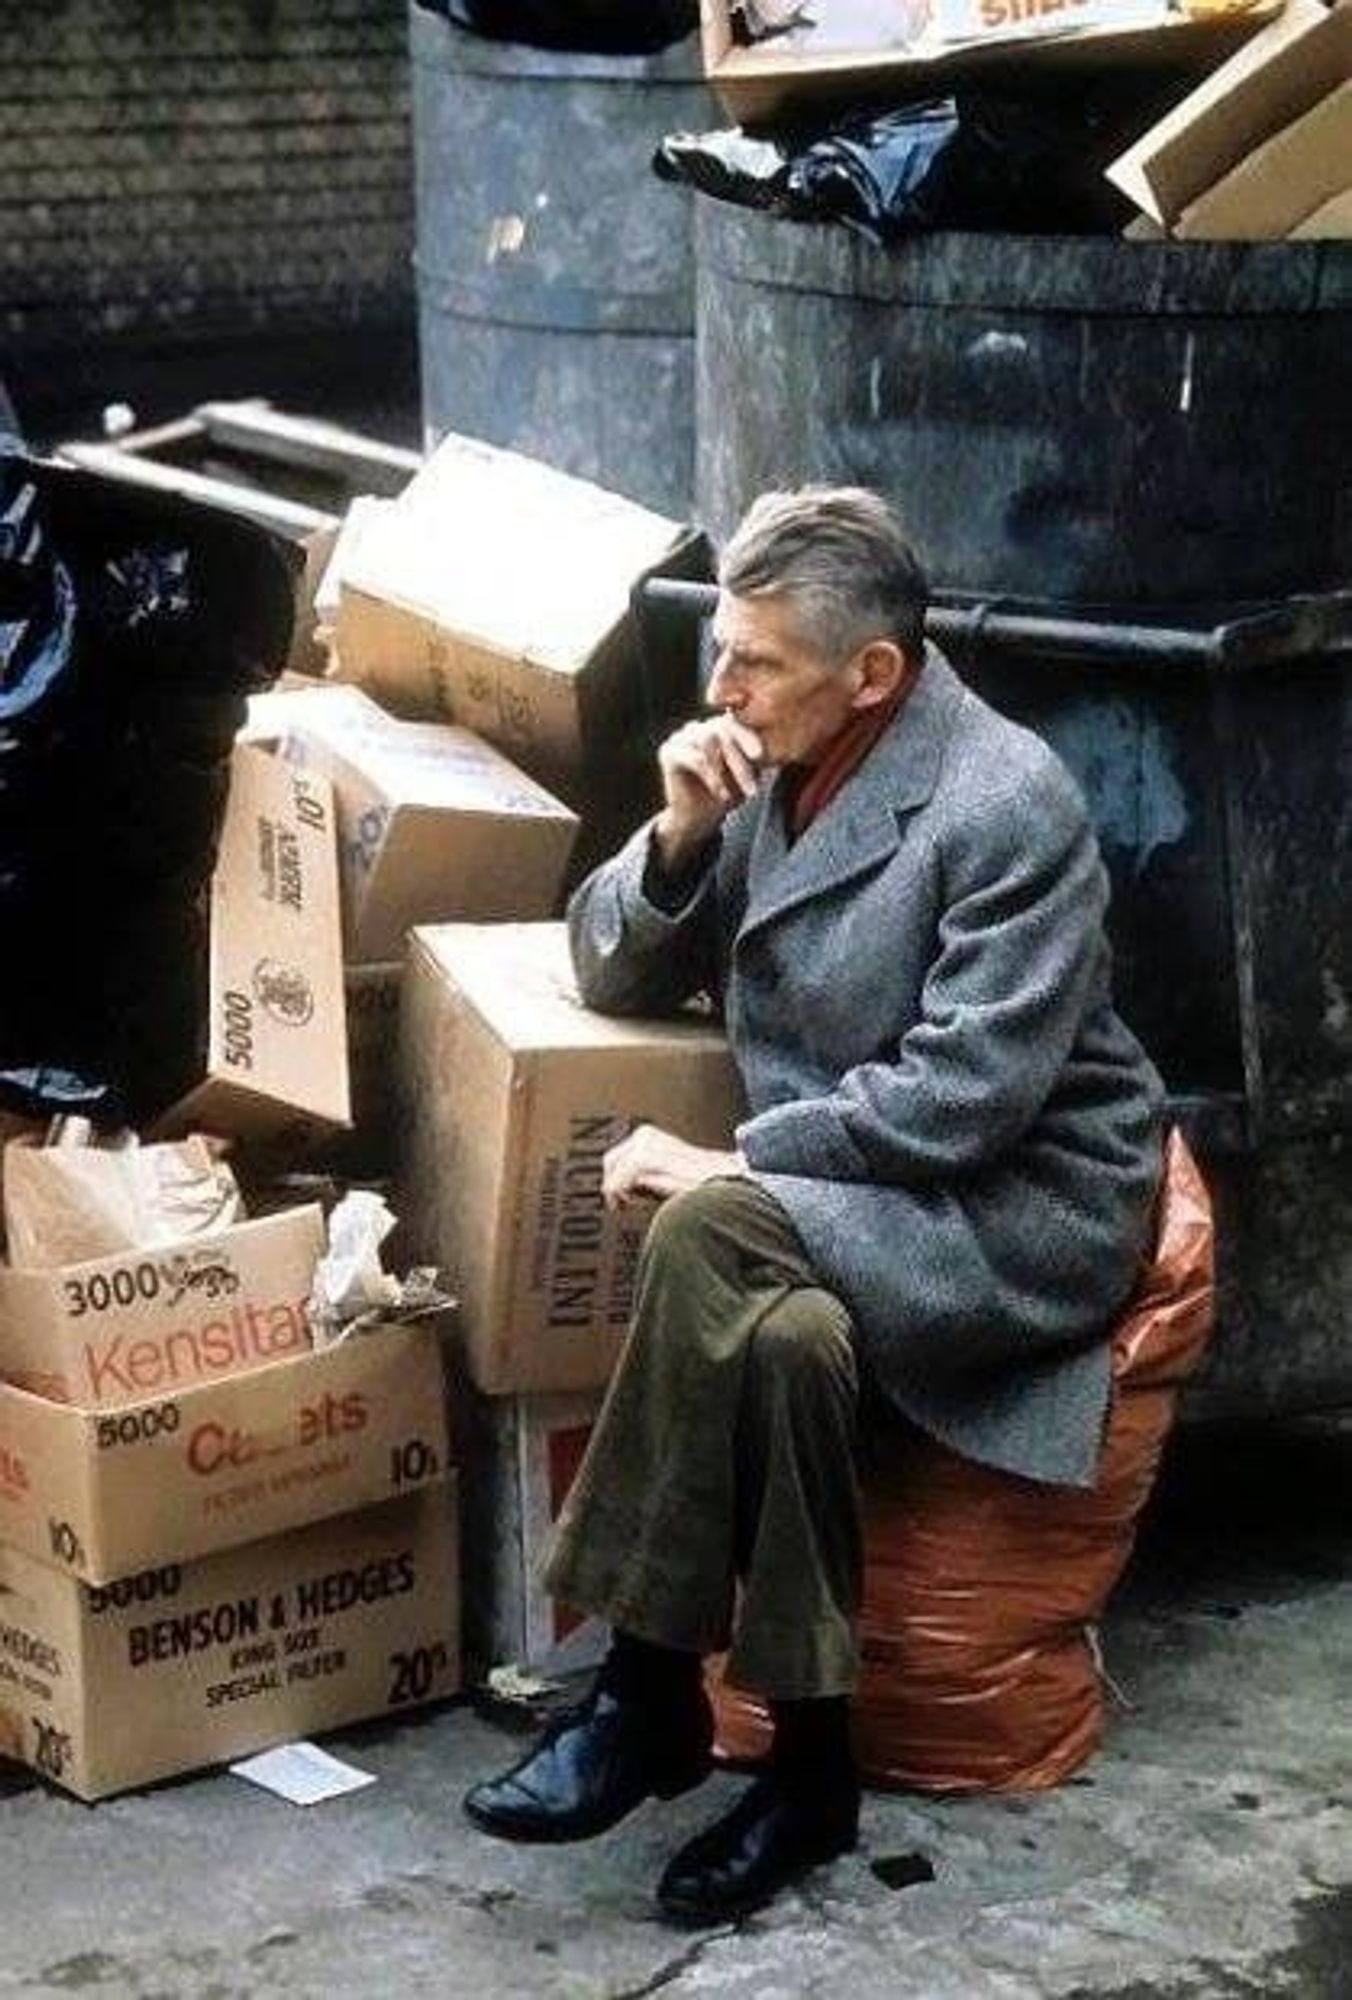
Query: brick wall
[191, 169]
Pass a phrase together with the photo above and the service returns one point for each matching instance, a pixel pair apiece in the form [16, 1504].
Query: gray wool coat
[965, 1135]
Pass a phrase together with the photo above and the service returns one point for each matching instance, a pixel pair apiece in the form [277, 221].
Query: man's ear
[881, 667]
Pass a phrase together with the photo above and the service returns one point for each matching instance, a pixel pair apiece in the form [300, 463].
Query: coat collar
[860, 828]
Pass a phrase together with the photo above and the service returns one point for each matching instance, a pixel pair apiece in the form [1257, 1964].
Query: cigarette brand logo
[283, 992]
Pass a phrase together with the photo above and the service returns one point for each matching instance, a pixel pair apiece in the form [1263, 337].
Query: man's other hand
[708, 768]
[655, 1163]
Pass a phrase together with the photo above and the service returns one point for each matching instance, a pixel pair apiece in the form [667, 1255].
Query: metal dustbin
[1119, 460]
[555, 274]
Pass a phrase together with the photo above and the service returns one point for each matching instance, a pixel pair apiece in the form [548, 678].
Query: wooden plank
[367, 464]
[286, 517]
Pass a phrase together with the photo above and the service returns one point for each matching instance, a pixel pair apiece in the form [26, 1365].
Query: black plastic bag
[604, 27]
[132, 627]
[1031, 161]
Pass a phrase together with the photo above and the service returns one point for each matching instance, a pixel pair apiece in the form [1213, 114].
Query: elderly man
[940, 1196]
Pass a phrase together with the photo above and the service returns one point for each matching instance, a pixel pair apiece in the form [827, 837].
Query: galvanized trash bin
[555, 283]
[1123, 464]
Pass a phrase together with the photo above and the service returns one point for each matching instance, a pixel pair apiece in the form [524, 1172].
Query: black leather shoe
[594, 1765]
[771, 1837]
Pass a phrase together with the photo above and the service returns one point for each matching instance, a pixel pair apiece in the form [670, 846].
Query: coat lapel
[861, 827]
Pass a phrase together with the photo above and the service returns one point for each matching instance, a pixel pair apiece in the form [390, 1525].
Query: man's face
[775, 683]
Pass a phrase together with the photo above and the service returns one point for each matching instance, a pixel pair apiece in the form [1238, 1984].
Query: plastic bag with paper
[66, 1204]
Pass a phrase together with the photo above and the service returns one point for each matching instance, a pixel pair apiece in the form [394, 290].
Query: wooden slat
[287, 517]
[366, 463]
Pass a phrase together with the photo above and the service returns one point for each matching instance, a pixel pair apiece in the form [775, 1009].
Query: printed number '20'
[414, 1674]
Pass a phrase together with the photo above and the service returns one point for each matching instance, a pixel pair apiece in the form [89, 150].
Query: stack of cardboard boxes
[213, 1536]
[513, 1092]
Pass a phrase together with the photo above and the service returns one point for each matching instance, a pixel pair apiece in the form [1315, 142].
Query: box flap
[1274, 187]
[1284, 69]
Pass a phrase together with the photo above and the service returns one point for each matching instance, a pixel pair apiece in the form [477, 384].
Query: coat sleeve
[1020, 952]
[629, 955]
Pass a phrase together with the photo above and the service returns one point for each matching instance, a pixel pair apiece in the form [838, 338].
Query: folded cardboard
[114, 1330]
[180, 1474]
[1277, 76]
[434, 823]
[495, 593]
[1273, 188]
[276, 1056]
[519, 1456]
[185, 1665]
[768, 80]
[511, 1093]
[368, 1150]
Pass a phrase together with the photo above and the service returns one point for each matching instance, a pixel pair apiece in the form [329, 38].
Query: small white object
[118, 419]
[302, 1774]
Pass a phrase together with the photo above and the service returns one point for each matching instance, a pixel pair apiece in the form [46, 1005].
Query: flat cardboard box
[103, 1493]
[494, 593]
[1273, 188]
[769, 81]
[1274, 78]
[276, 1056]
[434, 824]
[519, 1456]
[511, 1092]
[186, 1665]
[114, 1330]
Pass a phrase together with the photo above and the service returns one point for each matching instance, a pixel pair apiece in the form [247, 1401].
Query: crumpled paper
[353, 1292]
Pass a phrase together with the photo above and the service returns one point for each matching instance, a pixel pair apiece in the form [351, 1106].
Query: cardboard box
[511, 1092]
[494, 593]
[104, 1493]
[434, 824]
[1332, 219]
[771, 80]
[520, 1455]
[1281, 73]
[187, 1665]
[114, 1330]
[1019, 20]
[1272, 189]
[276, 1057]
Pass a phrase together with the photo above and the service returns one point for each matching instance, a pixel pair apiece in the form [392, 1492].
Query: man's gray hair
[839, 554]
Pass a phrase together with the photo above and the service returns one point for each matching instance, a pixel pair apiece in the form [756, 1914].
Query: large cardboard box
[495, 593]
[434, 823]
[780, 77]
[104, 1493]
[519, 1456]
[1278, 76]
[117, 1329]
[276, 1057]
[186, 1665]
[511, 1093]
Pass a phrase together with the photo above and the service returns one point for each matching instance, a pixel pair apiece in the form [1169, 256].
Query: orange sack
[981, 1590]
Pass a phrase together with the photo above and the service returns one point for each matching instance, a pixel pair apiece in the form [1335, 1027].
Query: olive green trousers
[718, 1504]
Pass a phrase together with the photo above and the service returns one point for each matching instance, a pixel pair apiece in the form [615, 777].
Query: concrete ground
[1206, 1851]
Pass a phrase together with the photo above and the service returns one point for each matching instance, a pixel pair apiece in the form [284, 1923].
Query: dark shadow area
[1246, 1513]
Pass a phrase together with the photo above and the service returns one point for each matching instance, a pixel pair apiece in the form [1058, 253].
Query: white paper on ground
[302, 1773]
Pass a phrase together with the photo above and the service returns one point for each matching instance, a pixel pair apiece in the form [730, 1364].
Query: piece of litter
[302, 1773]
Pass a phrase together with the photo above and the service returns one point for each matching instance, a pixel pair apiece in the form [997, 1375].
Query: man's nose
[720, 692]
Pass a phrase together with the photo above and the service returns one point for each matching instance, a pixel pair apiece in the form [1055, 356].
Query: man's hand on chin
[655, 1164]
